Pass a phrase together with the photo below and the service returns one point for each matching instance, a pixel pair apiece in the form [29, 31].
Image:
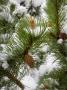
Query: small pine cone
[46, 87]
[32, 23]
[29, 60]
[63, 36]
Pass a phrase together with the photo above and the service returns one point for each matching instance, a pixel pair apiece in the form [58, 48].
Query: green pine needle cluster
[22, 39]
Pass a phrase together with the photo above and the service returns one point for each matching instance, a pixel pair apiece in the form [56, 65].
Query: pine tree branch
[53, 9]
[57, 18]
[12, 78]
[29, 46]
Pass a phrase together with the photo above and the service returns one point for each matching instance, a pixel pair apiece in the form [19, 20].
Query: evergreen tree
[33, 47]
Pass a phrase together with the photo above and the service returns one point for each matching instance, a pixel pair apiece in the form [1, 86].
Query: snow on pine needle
[30, 80]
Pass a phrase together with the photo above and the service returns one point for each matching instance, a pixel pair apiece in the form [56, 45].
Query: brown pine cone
[32, 23]
[29, 60]
[63, 36]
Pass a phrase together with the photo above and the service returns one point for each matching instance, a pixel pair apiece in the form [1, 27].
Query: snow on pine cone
[32, 23]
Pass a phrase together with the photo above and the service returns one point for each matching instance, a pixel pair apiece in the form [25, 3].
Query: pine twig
[12, 78]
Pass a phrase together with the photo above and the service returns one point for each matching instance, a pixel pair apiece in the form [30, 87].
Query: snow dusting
[44, 47]
[3, 57]
[60, 41]
[31, 81]
[5, 65]
[49, 64]
[37, 3]
[20, 10]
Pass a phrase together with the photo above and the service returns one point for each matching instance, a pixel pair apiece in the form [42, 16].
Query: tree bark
[12, 78]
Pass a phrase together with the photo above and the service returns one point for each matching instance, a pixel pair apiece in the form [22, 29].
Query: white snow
[37, 30]
[4, 37]
[5, 14]
[37, 3]
[26, 88]
[27, 3]
[3, 45]
[23, 9]
[14, 1]
[3, 57]
[5, 78]
[42, 69]
[35, 74]
[44, 3]
[60, 41]
[5, 65]
[20, 10]
[64, 29]
[35, 57]
[43, 15]
[3, 88]
[52, 62]
[44, 47]
[49, 64]
[29, 82]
